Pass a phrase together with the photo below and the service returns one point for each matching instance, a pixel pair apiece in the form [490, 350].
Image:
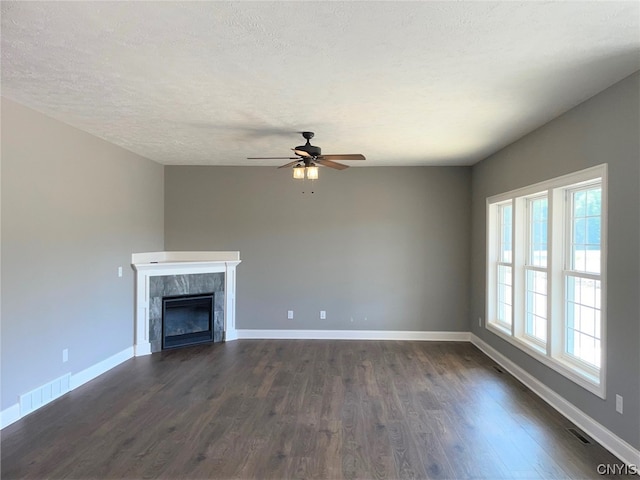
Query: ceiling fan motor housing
[310, 149]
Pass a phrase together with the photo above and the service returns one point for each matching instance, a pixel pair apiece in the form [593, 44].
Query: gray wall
[386, 247]
[74, 208]
[603, 129]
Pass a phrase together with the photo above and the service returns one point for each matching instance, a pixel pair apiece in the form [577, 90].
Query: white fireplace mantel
[152, 264]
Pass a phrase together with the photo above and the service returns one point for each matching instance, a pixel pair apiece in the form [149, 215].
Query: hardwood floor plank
[376, 441]
[327, 459]
[406, 459]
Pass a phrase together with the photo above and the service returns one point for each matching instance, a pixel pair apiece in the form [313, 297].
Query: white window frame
[553, 352]
[569, 271]
[499, 262]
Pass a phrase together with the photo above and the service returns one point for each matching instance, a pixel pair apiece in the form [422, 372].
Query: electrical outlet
[290, 314]
[119, 271]
[479, 321]
[619, 403]
[65, 355]
[323, 315]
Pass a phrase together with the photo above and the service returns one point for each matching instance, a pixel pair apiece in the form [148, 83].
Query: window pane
[505, 247]
[536, 305]
[586, 230]
[538, 232]
[594, 202]
[583, 328]
[579, 203]
[504, 304]
[579, 256]
[579, 231]
[592, 228]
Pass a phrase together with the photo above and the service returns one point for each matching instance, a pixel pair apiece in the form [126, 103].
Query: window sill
[500, 329]
[581, 377]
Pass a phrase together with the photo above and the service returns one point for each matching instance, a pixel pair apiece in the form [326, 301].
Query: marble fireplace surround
[153, 264]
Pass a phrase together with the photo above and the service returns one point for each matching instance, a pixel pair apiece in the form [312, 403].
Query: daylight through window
[546, 255]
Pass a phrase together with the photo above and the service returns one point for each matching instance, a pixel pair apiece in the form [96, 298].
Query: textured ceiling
[405, 83]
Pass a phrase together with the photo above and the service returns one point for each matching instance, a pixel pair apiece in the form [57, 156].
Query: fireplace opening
[187, 320]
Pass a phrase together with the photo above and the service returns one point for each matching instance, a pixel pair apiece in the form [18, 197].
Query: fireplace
[160, 275]
[187, 320]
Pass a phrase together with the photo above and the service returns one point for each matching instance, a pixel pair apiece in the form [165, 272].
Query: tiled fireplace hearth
[162, 275]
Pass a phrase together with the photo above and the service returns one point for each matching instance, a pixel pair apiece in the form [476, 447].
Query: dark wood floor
[301, 409]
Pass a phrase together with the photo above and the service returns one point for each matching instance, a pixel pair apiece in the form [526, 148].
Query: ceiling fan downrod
[308, 150]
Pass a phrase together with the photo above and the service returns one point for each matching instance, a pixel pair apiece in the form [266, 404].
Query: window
[582, 276]
[504, 314]
[536, 270]
[546, 253]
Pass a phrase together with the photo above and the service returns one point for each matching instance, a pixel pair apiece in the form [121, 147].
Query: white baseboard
[230, 335]
[609, 440]
[352, 335]
[99, 368]
[10, 415]
[13, 414]
[141, 349]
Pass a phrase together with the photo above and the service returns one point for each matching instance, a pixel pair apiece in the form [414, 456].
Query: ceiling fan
[308, 157]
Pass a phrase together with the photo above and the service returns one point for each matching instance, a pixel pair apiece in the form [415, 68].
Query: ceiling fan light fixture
[298, 171]
[312, 172]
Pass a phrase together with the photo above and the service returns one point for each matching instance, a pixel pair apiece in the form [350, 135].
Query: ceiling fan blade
[302, 153]
[272, 158]
[346, 156]
[330, 164]
[290, 164]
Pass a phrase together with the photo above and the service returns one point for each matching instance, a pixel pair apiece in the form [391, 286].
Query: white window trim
[552, 354]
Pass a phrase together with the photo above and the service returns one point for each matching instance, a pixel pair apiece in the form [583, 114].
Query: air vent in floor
[44, 394]
[579, 436]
